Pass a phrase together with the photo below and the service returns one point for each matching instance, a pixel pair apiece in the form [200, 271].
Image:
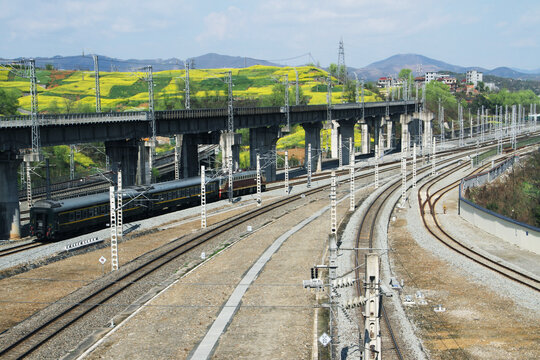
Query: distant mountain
[505, 72]
[389, 66]
[216, 61]
[207, 61]
[524, 71]
[393, 64]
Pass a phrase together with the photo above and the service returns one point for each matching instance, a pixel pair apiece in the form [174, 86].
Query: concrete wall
[525, 236]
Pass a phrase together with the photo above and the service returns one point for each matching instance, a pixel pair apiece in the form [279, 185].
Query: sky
[481, 33]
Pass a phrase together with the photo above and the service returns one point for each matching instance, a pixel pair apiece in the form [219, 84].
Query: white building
[491, 86]
[474, 77]
[431, 75]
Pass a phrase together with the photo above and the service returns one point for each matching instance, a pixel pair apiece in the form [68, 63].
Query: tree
[349, 91]
[342, 73]
[8, 102]
[49, 67]
[405, 74]
[333, 70]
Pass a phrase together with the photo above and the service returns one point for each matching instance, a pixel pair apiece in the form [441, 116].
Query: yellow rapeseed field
[130, 91]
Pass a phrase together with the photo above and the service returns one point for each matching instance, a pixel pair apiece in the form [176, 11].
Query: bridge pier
[346, 129]
[405, 120]
[378, 134]
[334, 139]
[230, 146]
[263, 141]
[144, 173]
[313, 137]
[10, 217]
[124, 155]
[389, 133]
[365, 138]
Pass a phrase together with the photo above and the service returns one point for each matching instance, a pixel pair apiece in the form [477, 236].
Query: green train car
[57, 219]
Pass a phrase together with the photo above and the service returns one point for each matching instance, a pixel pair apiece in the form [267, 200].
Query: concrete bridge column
[313, 137]
[426, 117]
[377, 134]
[10, 217]
[334, 141]
[124, 155]
[346, 129]
[144, 172]
[263, 141]
[405, 119]
[365, 138]
[189, 162]
[230, 146]
[389, 133]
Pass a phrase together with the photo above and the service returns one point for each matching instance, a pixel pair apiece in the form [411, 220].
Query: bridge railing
[66, 119]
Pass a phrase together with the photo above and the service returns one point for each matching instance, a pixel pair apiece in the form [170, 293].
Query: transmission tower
[342, 68]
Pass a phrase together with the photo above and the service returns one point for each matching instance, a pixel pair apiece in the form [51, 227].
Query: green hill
[74, 91]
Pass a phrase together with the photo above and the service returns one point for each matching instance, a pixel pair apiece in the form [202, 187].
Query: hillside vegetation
[515, 195]
[74, 91]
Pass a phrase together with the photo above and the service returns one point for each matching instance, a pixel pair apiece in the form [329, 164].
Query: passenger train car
[52, 219]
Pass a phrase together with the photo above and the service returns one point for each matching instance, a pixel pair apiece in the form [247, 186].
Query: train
[59, 219]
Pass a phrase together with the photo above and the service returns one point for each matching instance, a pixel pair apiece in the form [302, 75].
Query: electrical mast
[342, 74]
[96, 71]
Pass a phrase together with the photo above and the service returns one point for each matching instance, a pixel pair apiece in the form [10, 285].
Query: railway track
[431, 223]
[365, 239]
[23, 345]
[20, 248]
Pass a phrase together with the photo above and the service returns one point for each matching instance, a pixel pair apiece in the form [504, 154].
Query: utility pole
[259, 198]
[308, 166]
[96, 76]
[433, 158]
[329, 100]
[351, 174]
[414, 166]
[36, 142]
[286, 172]
[203, 197]
[372, 331]
[113, 228]
[297, 87]
[71, 162]
[376, 166]
[363, 103]
[340, 152]
[356, 88]
[403, 169]
[28, 184]
[287, 113]
[150, 79]
[119, 205]
[460, 115]
[230, 170]
[186, 86]
[230, 119]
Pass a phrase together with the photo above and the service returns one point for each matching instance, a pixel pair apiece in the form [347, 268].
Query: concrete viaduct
[123, 132]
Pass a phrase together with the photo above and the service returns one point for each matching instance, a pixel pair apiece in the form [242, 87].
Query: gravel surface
[486, 317]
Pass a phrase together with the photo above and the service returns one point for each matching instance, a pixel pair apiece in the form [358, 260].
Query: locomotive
[57, 219]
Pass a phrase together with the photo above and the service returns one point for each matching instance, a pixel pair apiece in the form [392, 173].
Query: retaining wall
[523, 235]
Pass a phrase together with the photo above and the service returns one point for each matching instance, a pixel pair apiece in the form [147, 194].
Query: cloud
[221, 25]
